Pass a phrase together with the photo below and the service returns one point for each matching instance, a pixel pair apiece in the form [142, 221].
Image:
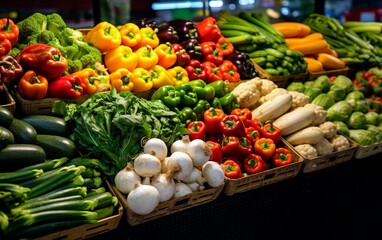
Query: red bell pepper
[212, 72]
[225, 46]
[271, 131]
[212, 118]
[197, 130]
[211, 53]
[195, 70]
[229, 71]
[216, 151]
[182, 56]
[69, 86]
[244, 114]
[265, 147]
[5, 45]
[231, 169]
[256, 124]
[282, 157]
[10, 69]
[43, 59]
[208, 30]
[253, 163]
[236, 147]
[252, 134]
[232, 125]
[244, 148]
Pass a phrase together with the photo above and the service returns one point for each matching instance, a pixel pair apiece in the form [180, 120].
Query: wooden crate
[366, 151]
[329, 73]
[169, 207]
[89, 230]
[7, 101]
[329, 160]
[281, 81]
[273, 175]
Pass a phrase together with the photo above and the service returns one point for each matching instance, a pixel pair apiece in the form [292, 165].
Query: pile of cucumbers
[32, 139]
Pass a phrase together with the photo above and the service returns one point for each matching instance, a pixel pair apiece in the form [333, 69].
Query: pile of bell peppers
[242, 145]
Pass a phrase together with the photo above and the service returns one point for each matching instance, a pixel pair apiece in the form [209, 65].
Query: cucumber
[6, 137]
[22, 131]
[16, 156]
[6, 117]
[56, 146]
[45, 124]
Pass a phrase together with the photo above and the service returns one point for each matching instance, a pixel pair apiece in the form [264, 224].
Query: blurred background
[86, 13]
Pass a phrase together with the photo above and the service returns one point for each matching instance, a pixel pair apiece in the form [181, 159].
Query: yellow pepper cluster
[134, 57]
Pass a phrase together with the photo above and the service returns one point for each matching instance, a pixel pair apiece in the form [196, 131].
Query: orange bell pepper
[179, 75]
[32, 86]
[10, 30]
[121, 80]
[160, 76]
[147, 57]
[265, 147]
[89, 78]
[121, 57]
[166, 55]
[142, 80]
[104, 36]
[149, 37]
[130, 34]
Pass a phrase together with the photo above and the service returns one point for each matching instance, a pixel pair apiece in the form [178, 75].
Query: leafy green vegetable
[312, 93]
[111, 126]
[342, 128]
[336, 92]
[355, 95]
[358, 105]
[322, 82]
[296, 86]
[362, 136]
[357, 120]
[344, 82]
[324, 101]
[340, 111]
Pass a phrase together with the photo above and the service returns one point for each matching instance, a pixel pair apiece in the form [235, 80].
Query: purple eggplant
[244, 64]
[167, 33]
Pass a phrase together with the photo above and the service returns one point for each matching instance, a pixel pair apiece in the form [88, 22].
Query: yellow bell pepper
[160, 76]
[179, 75]
[147, 57]
[130, 34]
[141, 79]
[121, 57]
[104, 36]
[89, 78]
[121, 80]
[166, 55]
[149, 37]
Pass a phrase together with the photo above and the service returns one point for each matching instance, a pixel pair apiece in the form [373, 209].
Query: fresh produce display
[172, 109]
[265, 45]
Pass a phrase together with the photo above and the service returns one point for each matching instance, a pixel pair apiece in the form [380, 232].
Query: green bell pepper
[186, 115]
[187, 94]
[200, 107]
[168, 95]
[203, 90]
[229, 102]
[220, 86]
[215, 103]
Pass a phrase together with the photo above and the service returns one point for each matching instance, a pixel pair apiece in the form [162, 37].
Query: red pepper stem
[252, 162]
[7, 65]
[34, 79]
[76, 86]
[195, 127]
[282, 157]
[264, 145]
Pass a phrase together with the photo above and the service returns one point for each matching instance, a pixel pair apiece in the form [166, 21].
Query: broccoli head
[55, 23]
[31, 26]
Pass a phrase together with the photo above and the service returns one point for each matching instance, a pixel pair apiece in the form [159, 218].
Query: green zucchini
[15, 156]
[45, 124]
[56, 146]
[6, 137]
[6, 117]
[22, 131]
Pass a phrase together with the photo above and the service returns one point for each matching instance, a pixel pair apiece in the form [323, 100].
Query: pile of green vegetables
[355, 115]
[113, 126]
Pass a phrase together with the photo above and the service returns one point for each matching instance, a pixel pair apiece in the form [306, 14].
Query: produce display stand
[366, 151]
[334, 72]
[273, 175]
[281, 81]
[89, 230]
[329, 160]
[7, 100]
[169, 207]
